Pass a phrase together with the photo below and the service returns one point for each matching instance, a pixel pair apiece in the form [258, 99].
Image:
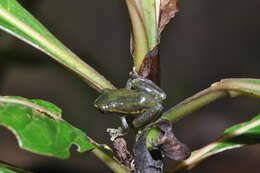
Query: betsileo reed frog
[140, 98]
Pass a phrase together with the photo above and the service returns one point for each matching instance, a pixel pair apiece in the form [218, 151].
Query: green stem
[226, 87]
[105, 154]
[192, 104]
[15, 20]
[5, 168]
[113, 164]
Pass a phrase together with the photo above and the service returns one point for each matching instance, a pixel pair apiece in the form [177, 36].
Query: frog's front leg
[148, 116]
[120, 131]
[129, 84]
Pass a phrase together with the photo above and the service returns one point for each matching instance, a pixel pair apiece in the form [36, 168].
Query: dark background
[206, 41]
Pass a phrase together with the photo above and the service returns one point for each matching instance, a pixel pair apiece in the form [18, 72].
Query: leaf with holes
[39, 128]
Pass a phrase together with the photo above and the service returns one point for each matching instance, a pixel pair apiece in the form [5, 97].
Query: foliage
[38, 124]
[39, 127]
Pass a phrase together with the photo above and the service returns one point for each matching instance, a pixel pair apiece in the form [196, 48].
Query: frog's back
[123, 101]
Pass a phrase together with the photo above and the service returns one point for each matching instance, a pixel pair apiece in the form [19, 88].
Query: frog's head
[101, 102]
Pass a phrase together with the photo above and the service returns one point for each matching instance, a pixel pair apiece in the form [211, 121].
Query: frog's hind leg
[148, 116]
[131, 83]
[147, 86]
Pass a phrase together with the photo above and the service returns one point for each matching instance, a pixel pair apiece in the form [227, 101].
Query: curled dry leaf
[168, 8]
[169, 145]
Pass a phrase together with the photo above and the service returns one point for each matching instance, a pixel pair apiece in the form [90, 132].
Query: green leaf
[144, 15]
[39, 128]
[150, 18]
[140, 43]
[240, 86]
[4, 168]
[246, 133]
[15, 20]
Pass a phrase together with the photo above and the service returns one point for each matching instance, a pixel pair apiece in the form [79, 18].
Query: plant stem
[192, 104]
[105, 154]
[226, 87]
[15, 20]
[113, 164]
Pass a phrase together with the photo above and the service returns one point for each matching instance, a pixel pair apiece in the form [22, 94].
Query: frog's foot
[115, 133]
[133, 73]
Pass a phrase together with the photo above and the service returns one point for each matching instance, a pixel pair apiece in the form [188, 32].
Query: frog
[139, 102]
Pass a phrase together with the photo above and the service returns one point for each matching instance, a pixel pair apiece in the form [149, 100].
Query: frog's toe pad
[115, 133]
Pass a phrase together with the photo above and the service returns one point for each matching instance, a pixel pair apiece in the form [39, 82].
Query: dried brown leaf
[150, 66]
[168, 8]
